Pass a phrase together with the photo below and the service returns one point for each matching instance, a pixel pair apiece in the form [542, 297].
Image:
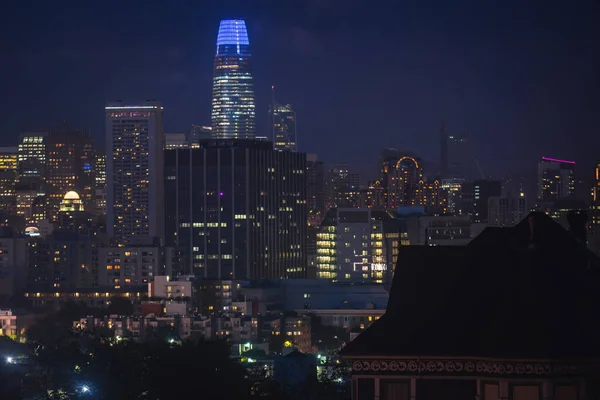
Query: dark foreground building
[512, 316]
[237, 209]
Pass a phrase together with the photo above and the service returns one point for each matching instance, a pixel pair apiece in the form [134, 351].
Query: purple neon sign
[557, 160]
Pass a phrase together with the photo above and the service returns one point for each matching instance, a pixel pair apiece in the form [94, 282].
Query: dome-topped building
[71, 202]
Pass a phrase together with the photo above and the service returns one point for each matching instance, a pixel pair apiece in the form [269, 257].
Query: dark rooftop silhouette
[530, 291]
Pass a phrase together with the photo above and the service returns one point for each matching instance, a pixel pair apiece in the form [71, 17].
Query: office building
[100, 169]
[70, 163]
[475, 196]
[198, 133]
[556, 180]
[506, 211]
[315, 184]
[455, 155]
[283, 125]
[32, 159]
[237, 209]
[233, 105]
[134, 171]
[342, 186]
[353, 245]
[453, 191]
[176, 141]
[8, 181]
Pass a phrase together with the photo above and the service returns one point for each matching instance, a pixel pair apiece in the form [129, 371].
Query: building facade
[237, 209]
[556, 180]
[233, 105]
[134, 171]
[342, 186]
[8, 181]
[70, 161]
[506, 211]
[356, 245]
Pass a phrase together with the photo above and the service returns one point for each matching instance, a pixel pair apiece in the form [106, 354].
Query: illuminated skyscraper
[283, 125]
[32, 159]
[134, 171]
[555, 180]
[8, 180]
[70, 163]
[233, 107]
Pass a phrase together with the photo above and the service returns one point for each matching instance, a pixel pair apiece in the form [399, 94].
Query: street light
[10, 360]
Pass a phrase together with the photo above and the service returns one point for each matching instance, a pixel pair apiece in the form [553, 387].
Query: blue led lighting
[232, 32]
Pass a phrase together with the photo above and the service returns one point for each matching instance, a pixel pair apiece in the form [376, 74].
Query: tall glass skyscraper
[283, 124]
[233, 107]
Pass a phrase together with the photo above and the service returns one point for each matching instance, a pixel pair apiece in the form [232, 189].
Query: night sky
[521, 78]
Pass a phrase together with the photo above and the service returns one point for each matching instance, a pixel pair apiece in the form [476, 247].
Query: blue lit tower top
[233, 106]
[233, 38]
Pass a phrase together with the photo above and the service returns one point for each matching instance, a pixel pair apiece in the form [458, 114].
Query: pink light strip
[557, 160]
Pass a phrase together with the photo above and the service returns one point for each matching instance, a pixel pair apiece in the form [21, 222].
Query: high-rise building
[315, 184]
[475, 198]
[237, 209]
[507, 211]
[70, 163]
[8, 181]
[353, 245]
[134, 171]
[283, 125]
[198, 133]
[556, 180]
[455, 156]
[405, 182]
[342, 186]
[32, 160]
[176, 141]
[100, 169]
[453, 193]
[233, 106]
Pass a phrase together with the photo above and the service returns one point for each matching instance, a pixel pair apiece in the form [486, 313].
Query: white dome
[71, 196]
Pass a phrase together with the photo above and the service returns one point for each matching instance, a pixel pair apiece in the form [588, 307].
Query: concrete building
[237, 209]
[8, 181]
[442, 230]
[353, 245]
[506, 211]
[13, 265]
[136, 264]
[134, 171]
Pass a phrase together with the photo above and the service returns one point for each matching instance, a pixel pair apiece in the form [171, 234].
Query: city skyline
[292, 55]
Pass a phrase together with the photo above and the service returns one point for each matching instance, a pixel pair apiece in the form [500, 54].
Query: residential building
[134, 171]
[134, 264]
[352, 245]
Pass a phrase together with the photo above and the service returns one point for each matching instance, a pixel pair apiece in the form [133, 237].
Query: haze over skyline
[521, 85]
